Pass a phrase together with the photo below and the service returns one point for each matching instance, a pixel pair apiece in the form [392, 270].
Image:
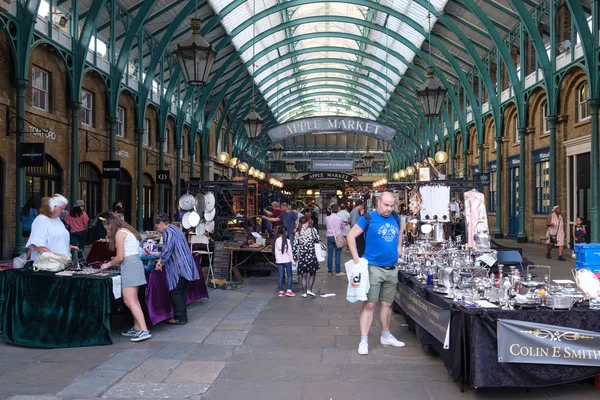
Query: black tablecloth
[473, 357]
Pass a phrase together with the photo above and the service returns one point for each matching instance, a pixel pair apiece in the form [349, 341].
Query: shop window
[541, 194]
[90, 188]
[87, 108]
[43, 181]
[146, 132]
[121, 122]
[492, 194]
[39, 88]
[545, 127]
[583, 107]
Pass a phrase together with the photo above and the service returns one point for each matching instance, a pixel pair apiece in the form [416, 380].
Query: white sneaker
[308, 292]
[363, 348]
[391, 341]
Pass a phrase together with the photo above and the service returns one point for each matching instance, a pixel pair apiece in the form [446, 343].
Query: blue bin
[594, 267]
[588, 253]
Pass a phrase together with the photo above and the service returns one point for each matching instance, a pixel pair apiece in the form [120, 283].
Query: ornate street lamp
[253, 123]
[431, 95]
[277, 152]
[290, 167]
[441, 157]
[196, 57]
[360, 168]
[223, 157]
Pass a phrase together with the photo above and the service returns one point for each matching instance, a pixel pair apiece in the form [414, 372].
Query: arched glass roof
[313, 45]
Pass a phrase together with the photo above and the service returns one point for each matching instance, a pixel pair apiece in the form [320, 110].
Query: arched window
[90, 188]
[583, 107]
[43, 181]
[124, 193]
[148, 202]
[168, 190]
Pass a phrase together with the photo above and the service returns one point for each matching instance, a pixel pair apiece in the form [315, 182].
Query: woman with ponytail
[284, 260]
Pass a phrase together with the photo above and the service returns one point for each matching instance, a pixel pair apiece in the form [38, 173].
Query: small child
[579, 231]
[284, 259]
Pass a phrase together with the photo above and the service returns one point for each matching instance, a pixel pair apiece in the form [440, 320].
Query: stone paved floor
[250, 344]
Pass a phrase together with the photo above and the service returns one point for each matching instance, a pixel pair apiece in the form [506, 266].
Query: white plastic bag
[18, 262]
[320, 252]
[358, 280]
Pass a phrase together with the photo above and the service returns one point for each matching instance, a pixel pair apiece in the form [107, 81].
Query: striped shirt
[177, 257]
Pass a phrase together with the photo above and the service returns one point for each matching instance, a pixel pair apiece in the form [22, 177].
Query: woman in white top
[126, 240]
[48, 233]
[284, 260]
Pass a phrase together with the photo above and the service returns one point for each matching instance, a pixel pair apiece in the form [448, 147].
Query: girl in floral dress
[305, 256]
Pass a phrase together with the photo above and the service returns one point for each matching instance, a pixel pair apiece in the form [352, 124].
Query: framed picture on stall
[424, 174]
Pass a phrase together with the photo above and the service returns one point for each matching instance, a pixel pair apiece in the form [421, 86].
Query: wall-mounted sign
[43, 133]
[327, 175]
[32, 154]
[162, 176]
[328, 191]
[332, 125]
[541, 155]
[332, 165]
[122, 153]
[513, 161]
[484, 178]
[195, 181]
[111, 169]
[424, 174]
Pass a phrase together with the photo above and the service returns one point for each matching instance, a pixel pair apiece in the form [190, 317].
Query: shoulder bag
[320, 250]
[50, 262]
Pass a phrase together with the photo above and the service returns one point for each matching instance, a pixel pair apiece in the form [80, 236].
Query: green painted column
[161, 165]
[178, 173]
[20, 85]
[498, 229]
[112, 183]
[140, 181]
[595, 184]
[552, 126]
[74, 195]
[465, 165]
[522, 235]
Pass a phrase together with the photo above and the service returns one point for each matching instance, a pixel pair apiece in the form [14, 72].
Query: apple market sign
[332, 125]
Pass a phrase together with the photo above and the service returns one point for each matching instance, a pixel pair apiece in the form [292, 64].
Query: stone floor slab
[275, 355]
[234, 338]
[333, 356]
[284, 371]
[196, 371]
[175, 351]
[148, 390]
[211, 352]
[343, 390]
[127, 359]
[234, 389]
[152, 371]
[261, 340]
[92, 383]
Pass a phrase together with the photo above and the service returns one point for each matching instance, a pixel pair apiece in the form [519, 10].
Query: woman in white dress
[48, 233]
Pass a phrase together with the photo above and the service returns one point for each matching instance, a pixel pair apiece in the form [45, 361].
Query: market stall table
[246, 253]
[40, 309]
[157, 296]
[472, 358]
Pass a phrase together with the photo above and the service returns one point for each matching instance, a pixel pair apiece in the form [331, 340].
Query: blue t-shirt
[289, 220]
[381, 240]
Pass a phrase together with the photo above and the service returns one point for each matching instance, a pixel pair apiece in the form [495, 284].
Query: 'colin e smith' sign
[332, 125]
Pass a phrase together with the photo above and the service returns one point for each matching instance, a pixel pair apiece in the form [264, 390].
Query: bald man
[383, 238]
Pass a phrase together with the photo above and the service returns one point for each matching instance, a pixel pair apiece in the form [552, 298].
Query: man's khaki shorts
[384, 284]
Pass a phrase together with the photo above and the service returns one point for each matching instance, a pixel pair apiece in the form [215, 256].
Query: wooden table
[233, 268]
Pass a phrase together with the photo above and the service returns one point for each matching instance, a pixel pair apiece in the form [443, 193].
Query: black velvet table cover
[473, 355]
[42, 310]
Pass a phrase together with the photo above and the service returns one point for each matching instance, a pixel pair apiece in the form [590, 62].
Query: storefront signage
[332, 165]
[123, 153]
[327, 175]
[484, 178]
[513, 161]
[328, 191]
[331, 125]
[32, 154]
[111, 169]
[162, 176]
[541, 155]
[492, 166]
[43, 133]
[532, 343]
[195, 181]
[434, 319]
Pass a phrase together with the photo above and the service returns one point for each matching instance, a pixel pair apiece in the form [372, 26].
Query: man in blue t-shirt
[288, 218]
[383, 247]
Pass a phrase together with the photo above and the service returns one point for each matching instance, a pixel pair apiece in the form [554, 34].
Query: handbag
[553, 239]
[320, 249]
[50, 262]
[340, 241]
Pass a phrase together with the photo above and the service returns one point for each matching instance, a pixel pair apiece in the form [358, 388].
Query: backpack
[368, 222]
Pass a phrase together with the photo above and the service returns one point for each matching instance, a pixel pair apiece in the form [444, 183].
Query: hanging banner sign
[328, 175]
[162, 176]
[33, 154]
[195, 181]
[332, 165]
[434, 319]
[332, 125]
[532, 343]
[328, 191]
[111, 169]
[484, 178]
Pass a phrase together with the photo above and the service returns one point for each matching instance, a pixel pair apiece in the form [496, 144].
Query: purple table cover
[158, 300]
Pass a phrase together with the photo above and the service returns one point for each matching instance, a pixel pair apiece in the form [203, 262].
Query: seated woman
[48, 233]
